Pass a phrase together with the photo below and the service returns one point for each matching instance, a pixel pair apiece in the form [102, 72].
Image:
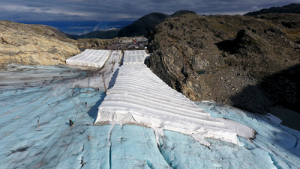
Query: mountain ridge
[145, 24]
[291, 8]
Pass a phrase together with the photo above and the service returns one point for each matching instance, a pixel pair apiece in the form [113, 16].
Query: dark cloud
[100, 10]
[45, 9]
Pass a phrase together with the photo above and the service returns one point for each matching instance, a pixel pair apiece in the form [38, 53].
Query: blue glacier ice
[47, 94]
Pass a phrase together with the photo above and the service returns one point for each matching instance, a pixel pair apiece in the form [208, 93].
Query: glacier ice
[48, 94]
[23, 145]
[273, 143]
[135, 146]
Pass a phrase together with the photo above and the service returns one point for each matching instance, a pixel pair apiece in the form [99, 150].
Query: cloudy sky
[112, 10]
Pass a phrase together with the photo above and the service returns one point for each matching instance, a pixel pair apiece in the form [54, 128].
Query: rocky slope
[95, 43]
[230, 59]
[291, 8]
[34, 45]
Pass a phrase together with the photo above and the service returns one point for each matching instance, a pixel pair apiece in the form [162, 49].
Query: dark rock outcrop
[182, 12]
[228, 59]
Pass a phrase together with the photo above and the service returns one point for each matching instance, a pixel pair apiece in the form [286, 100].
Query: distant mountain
[100, 34]
[119, 24]
[145, 24]
[141, 27]
[291, 8]
[82, 27]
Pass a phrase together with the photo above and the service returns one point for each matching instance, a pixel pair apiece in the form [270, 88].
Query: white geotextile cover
[90, 57]
[134, 57]
[96, 81]
[140, 97]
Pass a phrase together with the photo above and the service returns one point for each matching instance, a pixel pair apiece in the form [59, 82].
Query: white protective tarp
[140, 97]
[134, 57]
[90, 58]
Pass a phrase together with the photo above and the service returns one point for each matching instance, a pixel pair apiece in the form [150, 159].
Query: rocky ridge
[95, 43]
[229, 59]
[34, 45]
[291, 8]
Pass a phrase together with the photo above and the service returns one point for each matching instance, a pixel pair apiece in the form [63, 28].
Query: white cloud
[255, 8]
